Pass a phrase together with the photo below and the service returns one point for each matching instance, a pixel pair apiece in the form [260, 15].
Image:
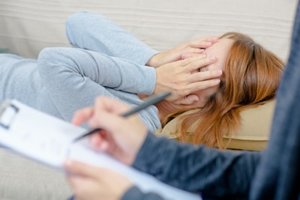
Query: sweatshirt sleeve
[95, 32]
[104, 70]
[75, 77]
[134, 193]
[198, 169]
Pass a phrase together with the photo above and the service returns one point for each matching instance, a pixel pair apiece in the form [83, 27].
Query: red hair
[251, 76]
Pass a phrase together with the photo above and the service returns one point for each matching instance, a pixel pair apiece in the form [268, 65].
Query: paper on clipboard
[49, 140]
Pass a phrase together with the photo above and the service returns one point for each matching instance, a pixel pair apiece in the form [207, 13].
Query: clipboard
[8, 112]
[49, 140]
[36, 135]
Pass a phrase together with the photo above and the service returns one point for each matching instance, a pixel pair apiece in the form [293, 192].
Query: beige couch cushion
[252, 135]
[23, 179]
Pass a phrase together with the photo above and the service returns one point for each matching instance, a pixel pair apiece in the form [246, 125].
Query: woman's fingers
[205, 75]
[198, 63]
[196, 86]
[198, 43]
[187, 100]
[189, 55]
[201, 44]
[193, 50]
[197, 59]
[204, 42]
[188, 61]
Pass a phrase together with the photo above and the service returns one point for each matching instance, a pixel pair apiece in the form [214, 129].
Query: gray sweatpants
[105, 61]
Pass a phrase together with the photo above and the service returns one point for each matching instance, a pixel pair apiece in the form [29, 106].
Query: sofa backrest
[27, 26]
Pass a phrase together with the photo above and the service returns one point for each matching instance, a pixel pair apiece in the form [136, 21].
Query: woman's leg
[95, 32]
[75, 77]
[17, 78]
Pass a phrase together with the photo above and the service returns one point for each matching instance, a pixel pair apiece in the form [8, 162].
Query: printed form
[49, 140]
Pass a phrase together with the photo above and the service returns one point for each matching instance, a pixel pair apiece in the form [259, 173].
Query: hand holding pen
[126, 132]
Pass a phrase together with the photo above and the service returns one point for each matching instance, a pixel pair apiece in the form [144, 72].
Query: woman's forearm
[203, 170]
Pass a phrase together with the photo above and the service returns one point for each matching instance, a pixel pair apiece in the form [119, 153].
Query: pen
[148, 102]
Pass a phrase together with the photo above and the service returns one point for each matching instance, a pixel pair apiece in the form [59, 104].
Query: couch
[27, 26]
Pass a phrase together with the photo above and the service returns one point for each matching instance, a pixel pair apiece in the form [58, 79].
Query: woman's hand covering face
[184, 77]
[182, 51]
[192, 87]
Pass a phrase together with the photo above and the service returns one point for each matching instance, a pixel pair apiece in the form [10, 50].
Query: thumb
[189, 55]
[187, 100]
[81, 169]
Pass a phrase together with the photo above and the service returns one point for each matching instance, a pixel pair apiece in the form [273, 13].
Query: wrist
[125, 192]
[139, 141]
[159, 84]
[147, 153]
[132, 193]
[153, 61]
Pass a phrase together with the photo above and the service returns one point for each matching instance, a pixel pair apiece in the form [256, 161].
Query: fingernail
[217, 81]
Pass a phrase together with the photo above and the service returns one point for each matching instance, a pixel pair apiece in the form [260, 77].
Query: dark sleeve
[197, 169]
[135, 193]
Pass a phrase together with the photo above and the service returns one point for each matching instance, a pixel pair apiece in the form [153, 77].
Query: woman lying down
[213, 78]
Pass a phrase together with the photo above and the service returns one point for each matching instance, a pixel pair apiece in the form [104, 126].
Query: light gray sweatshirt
[105, 61]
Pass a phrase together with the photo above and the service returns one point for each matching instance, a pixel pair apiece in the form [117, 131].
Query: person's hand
[183, 51]
[122, 137]
[94, 183]
[184, 77]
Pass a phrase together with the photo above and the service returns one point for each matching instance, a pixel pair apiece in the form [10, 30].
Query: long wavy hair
[251, 77]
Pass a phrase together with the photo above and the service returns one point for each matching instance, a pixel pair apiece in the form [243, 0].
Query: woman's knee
[51, 60]
[78, 20]
[52, 54]
[79, 24]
